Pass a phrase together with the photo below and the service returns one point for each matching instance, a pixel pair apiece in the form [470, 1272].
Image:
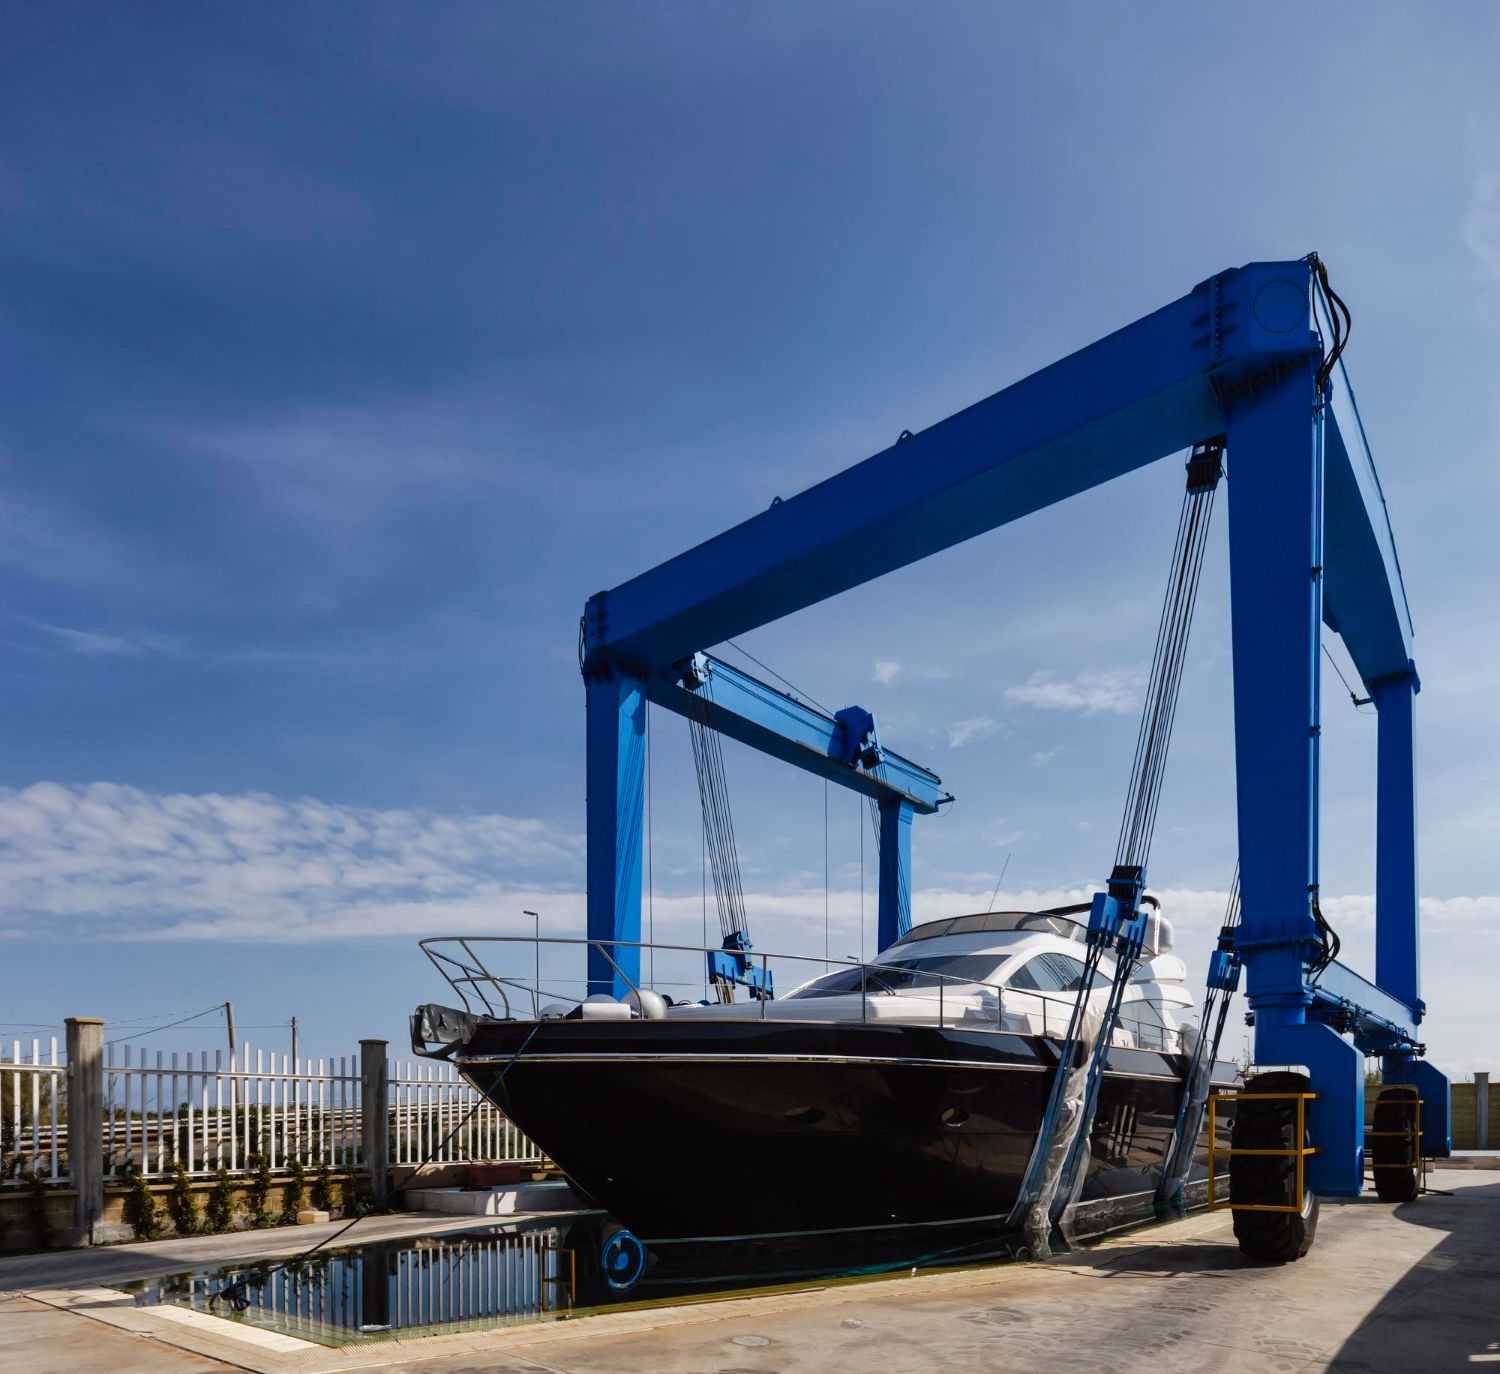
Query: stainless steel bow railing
[485, 991]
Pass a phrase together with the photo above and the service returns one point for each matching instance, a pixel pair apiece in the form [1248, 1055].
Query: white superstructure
[1012, 970]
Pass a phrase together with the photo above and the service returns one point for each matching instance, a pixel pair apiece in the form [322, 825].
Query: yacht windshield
[1062, 923]
[902, 975]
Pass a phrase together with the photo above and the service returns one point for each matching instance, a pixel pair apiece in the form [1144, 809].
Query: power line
[207, 1011]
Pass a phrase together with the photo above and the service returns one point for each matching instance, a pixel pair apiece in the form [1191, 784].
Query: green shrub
[322, 1189]
[36, 1198]
[219, 1214]
[141, 1212]
[181, 1204]
[295, 1197]
[258, 1194]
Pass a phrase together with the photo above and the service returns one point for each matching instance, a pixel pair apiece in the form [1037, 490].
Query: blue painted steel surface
[734, 964]
[748, 710]
[1274, 561]
[1363, 599]
[1436, 1119]
[1309, 542]
[1341, 997]
[1276, 575]
[616, 738]
[895, 872]
[1398, 960]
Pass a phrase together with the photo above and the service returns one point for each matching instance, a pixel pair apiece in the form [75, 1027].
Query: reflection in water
[490, 1275]
[532, 1272]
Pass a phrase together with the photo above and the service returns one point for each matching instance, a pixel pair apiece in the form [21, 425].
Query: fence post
[374, 1114]
[86, 1123]
[1481, 1111]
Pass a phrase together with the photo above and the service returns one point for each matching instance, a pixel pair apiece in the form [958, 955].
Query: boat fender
[558, 1009]
[607, 1010]
[648, 1005]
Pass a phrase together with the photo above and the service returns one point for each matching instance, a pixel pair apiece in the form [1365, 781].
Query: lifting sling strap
[1197, 1077]
[1058, 1166]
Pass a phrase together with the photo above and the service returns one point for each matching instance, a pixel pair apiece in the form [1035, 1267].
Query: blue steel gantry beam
[746, 709]
[1238, 356]
[844, 748]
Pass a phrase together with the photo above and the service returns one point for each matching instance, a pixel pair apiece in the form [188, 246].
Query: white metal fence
[431, 1121]
[212, 1112]
[33, 1102]
[209, 1110]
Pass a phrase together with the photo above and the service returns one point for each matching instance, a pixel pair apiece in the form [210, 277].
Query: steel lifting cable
[718, 819]
[1143, 796]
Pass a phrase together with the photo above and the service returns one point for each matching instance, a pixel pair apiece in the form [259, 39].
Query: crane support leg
[895, 871]
[1397, 961]
[616, 730]
[1276, 570]
[1435, 1113]
[1398, 967]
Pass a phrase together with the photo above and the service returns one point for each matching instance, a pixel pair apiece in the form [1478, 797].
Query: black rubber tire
[1270, 1237]
[1396, 1173]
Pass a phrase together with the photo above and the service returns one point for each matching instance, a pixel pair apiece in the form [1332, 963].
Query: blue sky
[350, 348]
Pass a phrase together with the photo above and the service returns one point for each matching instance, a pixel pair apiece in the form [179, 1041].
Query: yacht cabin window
[1048, 973]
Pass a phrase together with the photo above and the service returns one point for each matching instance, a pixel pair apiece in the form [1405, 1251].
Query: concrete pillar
[1481, 1111]
[374, 1116]
[86, 1123]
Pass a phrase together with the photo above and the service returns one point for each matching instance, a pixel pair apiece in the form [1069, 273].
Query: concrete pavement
[1406, 1290]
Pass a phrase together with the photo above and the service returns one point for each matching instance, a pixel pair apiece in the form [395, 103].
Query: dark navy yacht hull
[699, 1129]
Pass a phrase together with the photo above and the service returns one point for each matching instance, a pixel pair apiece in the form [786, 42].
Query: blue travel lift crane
[1238, 364]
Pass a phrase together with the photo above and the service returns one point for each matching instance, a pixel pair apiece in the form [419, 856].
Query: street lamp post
[536, 945]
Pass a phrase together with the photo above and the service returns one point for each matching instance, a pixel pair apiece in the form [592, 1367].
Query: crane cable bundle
[1205, 467]
[718, 819]
[1143, 796]
[1055, 1173]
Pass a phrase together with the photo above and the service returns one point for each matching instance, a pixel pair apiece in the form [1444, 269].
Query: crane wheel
[1396, 1159]
[1270, 1237]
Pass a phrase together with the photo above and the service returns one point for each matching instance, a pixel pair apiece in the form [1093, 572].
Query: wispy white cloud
[1481, 227]
[1042, 757]
[886, 670]
[341, 469]
[1109, 692]
[99, 643]
[963, 732]
[105, 860]
[53, 544]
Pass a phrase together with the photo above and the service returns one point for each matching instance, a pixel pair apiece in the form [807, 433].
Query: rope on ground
[236, 1294]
